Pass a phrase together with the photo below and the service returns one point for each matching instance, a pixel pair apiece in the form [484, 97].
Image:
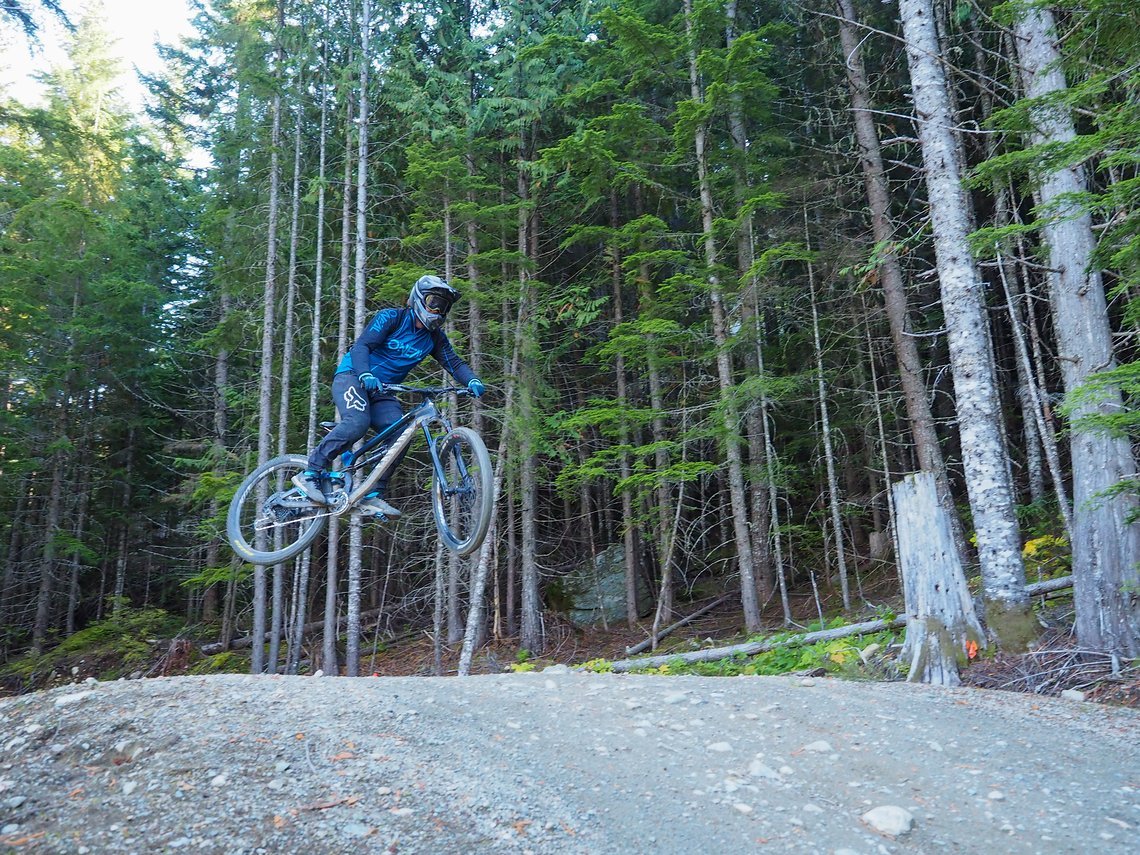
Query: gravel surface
[562, 762]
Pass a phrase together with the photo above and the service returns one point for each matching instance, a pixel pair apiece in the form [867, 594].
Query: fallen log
[751, 648]
[242, 643]
[653, 639]
[1049, 586]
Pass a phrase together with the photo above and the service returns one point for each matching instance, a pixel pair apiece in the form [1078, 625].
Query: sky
[137, 24]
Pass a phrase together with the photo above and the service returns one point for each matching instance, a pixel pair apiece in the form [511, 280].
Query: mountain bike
[270, 520]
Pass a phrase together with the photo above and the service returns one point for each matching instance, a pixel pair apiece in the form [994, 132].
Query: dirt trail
[561, 762]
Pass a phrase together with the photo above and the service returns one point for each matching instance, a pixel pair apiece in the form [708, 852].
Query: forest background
[724, 285]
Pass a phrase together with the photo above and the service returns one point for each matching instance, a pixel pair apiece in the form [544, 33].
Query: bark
[305, 573]
[624, 468]
[330, 665]
[915, 398]
[829, 453]
[475, 611]
[278, 596]
[770, 464]
[1106, 544]
[73, 593]
[988, 482]
[51, 527]
[1036, 410]
[269, 308]
[124, 529]
[531, 636]
[742, 538]
[15, 546]
[758, 488]
[940, 619]
[355, 525]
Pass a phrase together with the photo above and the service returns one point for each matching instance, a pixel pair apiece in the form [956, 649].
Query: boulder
[594, 592]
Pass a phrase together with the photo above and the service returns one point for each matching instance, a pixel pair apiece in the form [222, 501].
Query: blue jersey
[392, 346]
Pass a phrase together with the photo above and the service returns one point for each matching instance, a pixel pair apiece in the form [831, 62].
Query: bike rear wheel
[462, 503]
[270, 520]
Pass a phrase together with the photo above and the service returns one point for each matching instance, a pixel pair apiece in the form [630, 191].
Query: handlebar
[426, 391]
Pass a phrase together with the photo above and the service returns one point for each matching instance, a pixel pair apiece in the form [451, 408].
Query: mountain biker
[394, 343]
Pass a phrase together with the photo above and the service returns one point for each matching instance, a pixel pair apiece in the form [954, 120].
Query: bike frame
[422, 417]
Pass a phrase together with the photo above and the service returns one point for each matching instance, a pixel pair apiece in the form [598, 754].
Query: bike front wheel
[270, 520]
[462, 501]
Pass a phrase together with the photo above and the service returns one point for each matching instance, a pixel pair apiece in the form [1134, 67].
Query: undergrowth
[105, 649]
[854, 657]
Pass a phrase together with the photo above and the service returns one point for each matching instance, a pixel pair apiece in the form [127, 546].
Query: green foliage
[227, 662]
[121, 642]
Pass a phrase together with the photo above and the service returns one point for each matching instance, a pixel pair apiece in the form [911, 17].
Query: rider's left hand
[475, 387]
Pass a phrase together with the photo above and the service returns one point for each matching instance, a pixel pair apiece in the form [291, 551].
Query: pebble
[219, 781]
[759, 770]
[674, 698]
[810, 808]
[742, 807]
[15, 802]
[129, 787]
[632, 705]
[72, 699]
[400, 811]
[384, 791]
[818, 747]
[807, 681]
[10, 828]
[889, 819]
[996, 796]
[719, 747]
[357, 829]
[1073, 695]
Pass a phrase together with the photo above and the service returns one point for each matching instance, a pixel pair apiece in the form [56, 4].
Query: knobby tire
[237, 539]
[477, 513]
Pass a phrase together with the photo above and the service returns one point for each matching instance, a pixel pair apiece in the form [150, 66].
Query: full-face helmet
[431, 299]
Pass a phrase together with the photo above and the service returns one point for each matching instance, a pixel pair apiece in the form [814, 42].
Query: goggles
[437, 303]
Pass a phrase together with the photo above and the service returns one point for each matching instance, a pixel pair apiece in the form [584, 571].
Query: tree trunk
[329, 646]
[915, 398]
[940, 618]
[988, 482]
[278, 596]
[828, 452]
[1106, 543]
[356, 523]
[531, 635]
[51, 526]
[742, 538]
[269, 309]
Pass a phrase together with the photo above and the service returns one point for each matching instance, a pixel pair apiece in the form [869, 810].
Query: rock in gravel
[996, 796]
[10, 828]
[759, 770]
[72, 699]
[818, 747]
[1073, 695]
[891, 820]
[719, 747]
[674, 698]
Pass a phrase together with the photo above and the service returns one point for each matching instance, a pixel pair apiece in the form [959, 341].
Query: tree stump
[942, 627]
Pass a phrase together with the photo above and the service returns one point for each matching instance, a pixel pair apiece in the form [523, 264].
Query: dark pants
[359, 411]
